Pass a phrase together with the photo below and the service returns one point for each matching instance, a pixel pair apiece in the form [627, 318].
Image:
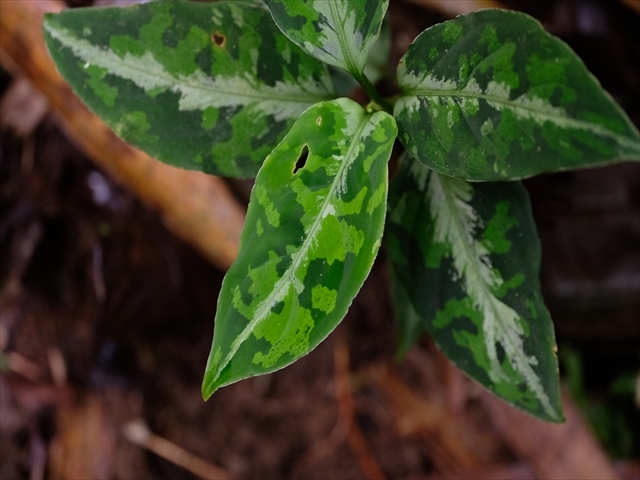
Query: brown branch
[451, 440]
[633, 5]
[568, 450]
[197, 207]
[453, 8]
[358, 443]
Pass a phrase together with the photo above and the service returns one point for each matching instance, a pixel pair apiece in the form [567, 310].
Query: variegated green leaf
[312, 232]
[377, 65]
[211, 87]
[376, 68]
[468, 256]
[338, 32]
[492, 96]
[409, 324]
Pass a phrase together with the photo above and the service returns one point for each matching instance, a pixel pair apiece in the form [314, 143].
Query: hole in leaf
[302, 160]
[219, 39]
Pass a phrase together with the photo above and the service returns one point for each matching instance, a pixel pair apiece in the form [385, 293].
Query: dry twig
[137, 432]
[632, 4]
[568, 450]
[451, 442]
[366, 459]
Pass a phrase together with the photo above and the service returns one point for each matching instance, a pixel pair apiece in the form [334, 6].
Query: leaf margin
[219, 362]
[416, 265]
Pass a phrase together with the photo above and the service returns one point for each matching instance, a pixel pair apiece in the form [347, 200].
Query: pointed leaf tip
[312, 232]
[467, 257]
[492, 96]
[204, 86]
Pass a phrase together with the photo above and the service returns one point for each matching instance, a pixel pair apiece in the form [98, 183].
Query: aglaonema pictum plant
[245, 89]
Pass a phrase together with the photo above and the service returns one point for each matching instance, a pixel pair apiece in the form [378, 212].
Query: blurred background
[110, 267]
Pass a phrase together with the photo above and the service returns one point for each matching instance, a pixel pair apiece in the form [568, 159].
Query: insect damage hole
[302, 159]
[218, 38]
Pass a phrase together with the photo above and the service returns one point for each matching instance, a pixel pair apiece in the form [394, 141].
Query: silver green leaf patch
[338, 32]
[492, 96]
[312, 232]
[467, 257]
[212, 87]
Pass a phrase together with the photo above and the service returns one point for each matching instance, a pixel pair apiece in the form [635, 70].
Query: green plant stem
[373, 94]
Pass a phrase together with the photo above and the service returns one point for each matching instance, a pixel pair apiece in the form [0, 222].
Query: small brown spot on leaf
[218, 39]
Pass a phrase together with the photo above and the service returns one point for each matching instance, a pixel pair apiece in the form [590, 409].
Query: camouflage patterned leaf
[338, 32]
[211, 87]
[376, 68]
[492, 96]
[312, 233]
[468, 257]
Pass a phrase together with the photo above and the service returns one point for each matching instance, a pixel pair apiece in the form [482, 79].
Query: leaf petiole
[374, 96]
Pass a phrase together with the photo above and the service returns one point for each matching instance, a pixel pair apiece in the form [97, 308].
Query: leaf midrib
[475, 262]
[623, 140]
[287, 279]
[180, 80]
[350, 62]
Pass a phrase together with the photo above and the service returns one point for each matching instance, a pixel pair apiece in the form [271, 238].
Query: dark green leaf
[338, 32]
[211, 87]
[313, 230]
[410, 324]
[468, 257]
[492, 96]
[377, 65]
